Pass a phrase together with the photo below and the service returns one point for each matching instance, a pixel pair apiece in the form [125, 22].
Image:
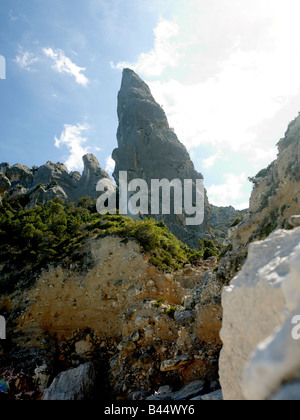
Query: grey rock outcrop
[195, 391]
[149, 149]
[19, 174]
[72, 385]
[92, 173]
[40, 185]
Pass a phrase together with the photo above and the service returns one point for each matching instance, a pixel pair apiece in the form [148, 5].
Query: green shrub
[50, 233]
[208, 249]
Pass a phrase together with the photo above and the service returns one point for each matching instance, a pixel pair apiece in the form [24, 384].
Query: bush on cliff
[31, 239]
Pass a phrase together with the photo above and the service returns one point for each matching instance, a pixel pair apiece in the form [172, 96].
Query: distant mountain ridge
[44, 183]
[221, 218]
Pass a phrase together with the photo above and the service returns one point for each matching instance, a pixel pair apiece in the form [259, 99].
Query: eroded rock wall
[150, 328]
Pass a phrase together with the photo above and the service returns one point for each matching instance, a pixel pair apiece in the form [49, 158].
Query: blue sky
[226, 72]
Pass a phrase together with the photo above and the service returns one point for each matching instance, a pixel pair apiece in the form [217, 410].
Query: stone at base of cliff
[74, 384]
[196, 390]
[213, 396]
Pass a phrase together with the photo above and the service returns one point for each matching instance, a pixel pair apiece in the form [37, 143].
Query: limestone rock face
[4, 183]
[149, 149]
[259, 353]
[19, 174]
[274, 199]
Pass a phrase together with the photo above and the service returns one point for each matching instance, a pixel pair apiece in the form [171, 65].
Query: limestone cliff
[149, 149]
[274, 199]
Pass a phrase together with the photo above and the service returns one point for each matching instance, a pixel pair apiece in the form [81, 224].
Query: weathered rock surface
[213, 396]
[294, 221]
[91, 175]
[40, 185]
[259, 354]
[120, 309]
[194, 391]
[73, 385]
[149, 149]
[274, 199]
[4, 183]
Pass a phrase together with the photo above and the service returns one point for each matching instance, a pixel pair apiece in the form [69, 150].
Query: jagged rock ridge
[149, 149]
[39, 185]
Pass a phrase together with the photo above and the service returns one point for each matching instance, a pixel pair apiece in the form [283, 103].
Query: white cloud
[25, 60]
[72, 138]
[164, 53]
[63, 64]
[110, 164]
[229, 192]
[211, 161]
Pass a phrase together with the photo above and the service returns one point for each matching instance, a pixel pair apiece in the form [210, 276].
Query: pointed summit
[135, 96]
[149, 149]
[133, 86]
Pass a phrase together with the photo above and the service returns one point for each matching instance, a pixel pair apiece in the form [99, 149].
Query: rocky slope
[260, 355]
[142, 328]
[44, 183]
[149, 149]
[274, 199]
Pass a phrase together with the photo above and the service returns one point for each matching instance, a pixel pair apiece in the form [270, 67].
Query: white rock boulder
[259, 353]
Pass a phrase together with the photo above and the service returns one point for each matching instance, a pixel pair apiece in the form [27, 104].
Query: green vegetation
[261, 174]
[283, 208]
[236, 222]
[222, 218]
[293, 171]
[268, 225]
[264, 172]
[166, 251]
[265, 200]
[171, 311]
[55, 233]
[159, 302]
[208, 249]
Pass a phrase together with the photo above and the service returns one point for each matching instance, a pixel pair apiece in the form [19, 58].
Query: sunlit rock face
[149, 149]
